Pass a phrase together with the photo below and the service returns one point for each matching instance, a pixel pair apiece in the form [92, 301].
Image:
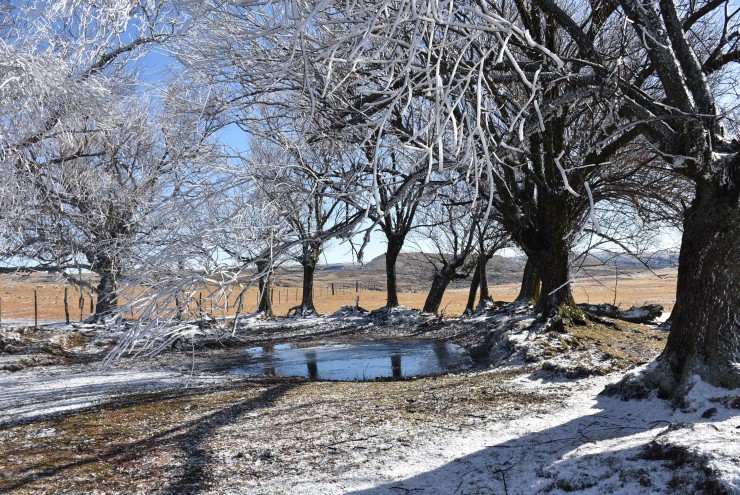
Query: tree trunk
[107, 289]
[705, 333]
[556, 297]
[391, 257]
[485, 296]
[530, 284]
[264, 283]
[548, 248]
[439, 284]
[473, 291]
[307, 305]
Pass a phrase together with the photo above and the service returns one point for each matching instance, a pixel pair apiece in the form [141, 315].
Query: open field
[17, 295]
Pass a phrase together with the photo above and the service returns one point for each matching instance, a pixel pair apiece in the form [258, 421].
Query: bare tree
[446, 233]
[300, 179]
[399, 181]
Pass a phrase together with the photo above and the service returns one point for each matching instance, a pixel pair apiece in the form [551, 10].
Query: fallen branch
[641, 314]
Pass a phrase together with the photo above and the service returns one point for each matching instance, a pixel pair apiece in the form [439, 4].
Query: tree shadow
[187, 437]
[545, 460]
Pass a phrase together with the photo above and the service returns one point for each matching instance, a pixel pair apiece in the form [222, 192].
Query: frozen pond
[355, 361]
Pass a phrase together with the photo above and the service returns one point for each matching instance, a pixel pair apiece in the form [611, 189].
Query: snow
[567, 439]
[27, 396]
[591, 445]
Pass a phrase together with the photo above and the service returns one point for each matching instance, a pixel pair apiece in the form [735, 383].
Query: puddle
[355, 361]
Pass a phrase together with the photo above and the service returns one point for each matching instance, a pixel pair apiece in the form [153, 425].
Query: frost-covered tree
[446, 232]
[82, 148]
[682, 51]
[499, 81]
[300, 180]
[399, 184]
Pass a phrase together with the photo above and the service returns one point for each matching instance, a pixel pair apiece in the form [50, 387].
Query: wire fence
[40, 304]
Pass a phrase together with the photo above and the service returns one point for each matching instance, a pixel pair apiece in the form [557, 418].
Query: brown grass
[17, 296]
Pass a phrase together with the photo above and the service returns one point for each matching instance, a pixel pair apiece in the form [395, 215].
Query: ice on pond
[355, 361]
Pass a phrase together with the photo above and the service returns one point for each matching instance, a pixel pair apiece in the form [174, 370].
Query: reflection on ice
[356, 361]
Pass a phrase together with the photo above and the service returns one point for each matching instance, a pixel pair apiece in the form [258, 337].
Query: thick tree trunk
[391, 257]
[530, 288]
[265, 287]
[307, 305]
[556, 297]
[439, 284]
[307, 299]
[107, 291]
[705, 333]
[548, 249]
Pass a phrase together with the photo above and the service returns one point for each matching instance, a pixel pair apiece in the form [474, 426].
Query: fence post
[35, 309]
[66, 307]
[178, 309]
[332, 288]
[81, 304]
[357, 286]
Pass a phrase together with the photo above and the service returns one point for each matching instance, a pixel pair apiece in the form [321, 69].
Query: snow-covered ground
[588, 444]
[509, 430]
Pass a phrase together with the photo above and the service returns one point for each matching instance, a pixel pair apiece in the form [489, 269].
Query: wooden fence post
[357, 286]
[178, 308]
[35, 309]
[332, 288]
[66, 306]
[92, 307]
[81, 304]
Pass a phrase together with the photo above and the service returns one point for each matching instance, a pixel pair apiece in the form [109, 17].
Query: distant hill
[415, 271]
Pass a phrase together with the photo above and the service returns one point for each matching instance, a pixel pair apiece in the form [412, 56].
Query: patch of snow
[27, 396]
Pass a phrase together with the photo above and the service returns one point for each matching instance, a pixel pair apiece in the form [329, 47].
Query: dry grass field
[17, 296]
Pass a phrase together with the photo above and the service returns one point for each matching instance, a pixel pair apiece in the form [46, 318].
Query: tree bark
[107, 289]
[107, 301]
[485, 296]
[395, 244]
[529, 290]
[473, 291]
[309, 259]
[705, 332]
[548, 249]
[265, 285]
[556, 297]
[439, 284]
